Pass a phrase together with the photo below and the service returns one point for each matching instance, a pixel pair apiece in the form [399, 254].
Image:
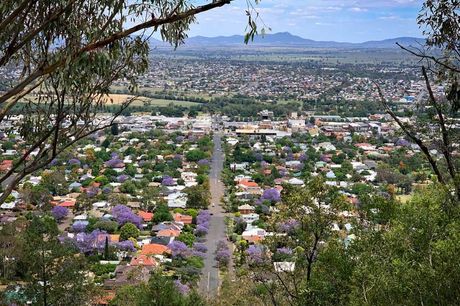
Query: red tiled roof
[154, 249]
[145, 215]
[247, 183]
[143, 260]
[186, 219]
[168, 233]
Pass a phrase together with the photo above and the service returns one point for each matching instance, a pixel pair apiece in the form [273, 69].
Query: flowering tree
[182, 288]
[79, 227]
[124, 214]
[255, 254]
[179, 249]
[92, 192]
[201, 230]
[303, 157]
[288, 226]
[59, 213]
[203, 217]
[122, 178]
[282, 254]
[113, 162]
[223, 257]
[223, 254]
[126, 245]
[272, 195]
[90, 243]
[106, 190]
[203, 162]
[168, 181]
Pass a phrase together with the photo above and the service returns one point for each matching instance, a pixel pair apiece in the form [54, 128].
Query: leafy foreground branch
[67, 54]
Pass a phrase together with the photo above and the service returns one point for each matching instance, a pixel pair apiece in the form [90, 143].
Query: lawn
[140, 101]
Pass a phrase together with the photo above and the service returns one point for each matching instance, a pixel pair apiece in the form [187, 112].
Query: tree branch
[445, 134]
[411, 135]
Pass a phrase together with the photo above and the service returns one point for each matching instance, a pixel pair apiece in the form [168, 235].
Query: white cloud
[358, 9]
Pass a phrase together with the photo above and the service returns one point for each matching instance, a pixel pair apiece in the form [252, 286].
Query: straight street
[209, 282]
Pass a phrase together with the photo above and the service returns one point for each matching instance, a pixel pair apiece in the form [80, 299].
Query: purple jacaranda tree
[90, 243]
[180, 139]
[203, 217]
[113, 155]
[284, 251]
[168, 181]
[289, 156]
[261, 208]
[178, 157]
[221, 244]
[223, 257]
[272, 195]
[401, 142]
[106, 190]
[205, 224]
[264, 164]
[122, 178]
[126, 245]
[201, 230]
[92, 191]
[113, 162]
[303, 157]
[287, 149]
[198, 254]
[223, 253]
[288, 226]
[201, 247]
[258, 156]
[74, 162]
[179, 249]
[255, 254]
[124, 214]
[79, 227]
[54, 162]
[59, 213]
[298, 167]
[203, 162]
[283, 172]
[182, 288]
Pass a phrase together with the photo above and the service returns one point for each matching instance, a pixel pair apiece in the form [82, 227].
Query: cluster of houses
[216, 77]
[110, 180]
[346, 152]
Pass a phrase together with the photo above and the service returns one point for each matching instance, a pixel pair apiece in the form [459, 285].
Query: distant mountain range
[287, 39]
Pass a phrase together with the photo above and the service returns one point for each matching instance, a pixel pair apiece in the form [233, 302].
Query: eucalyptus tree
[305, 261]
[63, 56]
[433, 124]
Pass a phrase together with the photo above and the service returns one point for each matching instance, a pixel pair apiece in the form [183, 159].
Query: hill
[288, 39]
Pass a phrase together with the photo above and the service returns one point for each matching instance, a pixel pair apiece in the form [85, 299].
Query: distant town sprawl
[317, 78]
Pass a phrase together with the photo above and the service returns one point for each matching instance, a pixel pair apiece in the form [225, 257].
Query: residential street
[209, 283]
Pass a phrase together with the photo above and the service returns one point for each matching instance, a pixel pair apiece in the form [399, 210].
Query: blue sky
[338, 20]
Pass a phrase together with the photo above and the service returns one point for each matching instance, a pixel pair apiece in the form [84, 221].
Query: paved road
[209, 283]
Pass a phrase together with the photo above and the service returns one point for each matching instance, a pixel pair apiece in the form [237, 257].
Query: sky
[337, 20]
